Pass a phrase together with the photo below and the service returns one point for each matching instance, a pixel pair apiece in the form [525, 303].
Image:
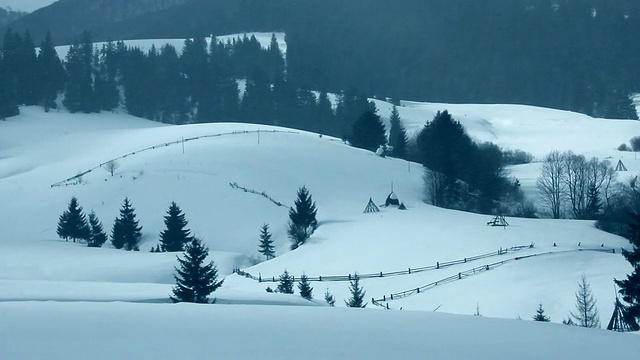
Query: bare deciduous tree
[111, 166]
[586, 314]
[550, 183]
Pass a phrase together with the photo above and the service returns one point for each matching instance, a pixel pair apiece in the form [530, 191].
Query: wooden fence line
[235, 185]
[467, 273]
[76, 177]
[438, 265]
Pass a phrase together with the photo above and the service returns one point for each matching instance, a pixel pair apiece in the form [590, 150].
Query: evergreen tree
[586, 314]
[304, 287]
[285, 285]
[126, 233]
[540, 316]
[266, 243]
[195, 281]
[27, 81]
[302, 218]
[357, 293]
[630, 287]
[72, 224]
[275, 60]
[97, 236]
[368, 132]
[80, 91]
[397, 135]
[8, 80]
[328, 297]
[51, 74]
[176, 235]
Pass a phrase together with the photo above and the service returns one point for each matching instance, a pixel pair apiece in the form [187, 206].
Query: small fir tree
[304, 287]
[540, 316]
[630, 287]
[285, 285]
[72, 224]
[97, 236]
[195, 280]
[357, 293]
[586, 314]
[328, 297]
[126, 232]
[302, 218]
[266, 247]
[176, 235]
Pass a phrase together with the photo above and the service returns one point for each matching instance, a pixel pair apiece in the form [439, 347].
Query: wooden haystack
[620, 166]
[498, 220]
[371, 207]
[621, 320]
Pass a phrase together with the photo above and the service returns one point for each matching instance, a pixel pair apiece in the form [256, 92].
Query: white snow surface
[25, 5]
[78, 301]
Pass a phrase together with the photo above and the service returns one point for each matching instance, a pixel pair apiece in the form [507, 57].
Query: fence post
[465, 260]
[380, 273]
[274, 279]
[259, 277]
[459, 276]
[349, 277]
[438, 265]
[418, 289]
[384, 297]
[387, 306]
[320, 277]
[409, 270]
[391, 296]
[487, 267]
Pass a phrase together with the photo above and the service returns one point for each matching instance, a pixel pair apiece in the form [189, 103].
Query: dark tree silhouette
[126, 232]
[398, 139]
[72, 224]
[630, 287]
[302, 218]
[368, 132]
[176, 235]
[97, 236]
[195, 280]
[540, 316]
[266, 243]
[306, 291]
[285, 285]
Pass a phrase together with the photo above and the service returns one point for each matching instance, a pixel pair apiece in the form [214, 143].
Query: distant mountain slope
[9, 16]
[66, 19]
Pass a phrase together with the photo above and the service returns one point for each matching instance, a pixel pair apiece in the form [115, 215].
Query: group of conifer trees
[200, 83]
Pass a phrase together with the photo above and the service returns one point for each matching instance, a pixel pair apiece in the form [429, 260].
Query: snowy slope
[40, 149]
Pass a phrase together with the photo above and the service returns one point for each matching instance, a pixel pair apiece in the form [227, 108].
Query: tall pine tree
[266, 247]
[630, 287]
[195, 280]
[97, 236]
[398, 139]
[586, 314]
[126, 232]
[72, 224]
[176, 235]
[302, 218]
[51, 74]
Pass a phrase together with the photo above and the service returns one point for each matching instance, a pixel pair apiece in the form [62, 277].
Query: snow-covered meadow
[79, 301]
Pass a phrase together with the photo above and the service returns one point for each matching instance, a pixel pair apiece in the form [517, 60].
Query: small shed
[392, 199]
[371, 207]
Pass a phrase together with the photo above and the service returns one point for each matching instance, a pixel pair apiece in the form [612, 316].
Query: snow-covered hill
[40, 149]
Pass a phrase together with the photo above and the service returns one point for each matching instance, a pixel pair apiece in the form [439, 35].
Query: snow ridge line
[438, 265]
[251, 191]
[463, 274]
[76, 179]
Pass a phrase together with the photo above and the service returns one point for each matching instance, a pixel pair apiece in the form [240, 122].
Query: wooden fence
[411, 270]
[463, 274]
[75, 179]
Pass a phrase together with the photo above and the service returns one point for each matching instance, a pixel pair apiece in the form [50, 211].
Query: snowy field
[67, 295]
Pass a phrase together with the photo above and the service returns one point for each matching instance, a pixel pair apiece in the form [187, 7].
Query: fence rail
[75, 179]
[411, 270]
[463, 274]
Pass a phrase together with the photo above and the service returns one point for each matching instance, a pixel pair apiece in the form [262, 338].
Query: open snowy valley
[57, 295]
